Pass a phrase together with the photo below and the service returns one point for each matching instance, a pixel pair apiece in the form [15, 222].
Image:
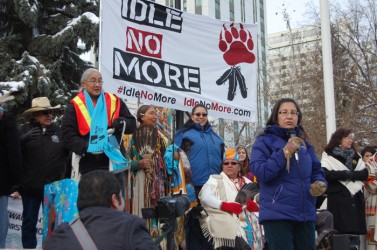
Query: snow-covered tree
[39, 47]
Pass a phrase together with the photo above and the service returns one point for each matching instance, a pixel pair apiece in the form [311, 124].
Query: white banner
[15, 222]
[169, 58]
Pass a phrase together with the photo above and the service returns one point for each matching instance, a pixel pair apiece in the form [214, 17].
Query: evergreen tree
[39, 47]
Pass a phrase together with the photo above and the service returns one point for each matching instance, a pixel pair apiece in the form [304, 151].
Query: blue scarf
[98, 137]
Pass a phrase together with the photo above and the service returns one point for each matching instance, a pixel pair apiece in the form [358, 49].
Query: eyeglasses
[233, 163]
[201, 114]
[287, 113]
[94, 82]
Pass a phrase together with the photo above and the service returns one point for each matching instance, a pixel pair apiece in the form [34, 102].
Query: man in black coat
[10, 165]
[44, 160]
[101, 210]
[78, 119]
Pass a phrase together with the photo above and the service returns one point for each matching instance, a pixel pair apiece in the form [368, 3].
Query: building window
[217, 9]
[184, 5]
[169, 3]
[231, 10]
[198, 7]
[243, 15]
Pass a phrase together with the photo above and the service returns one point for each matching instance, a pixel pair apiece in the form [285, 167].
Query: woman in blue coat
[204, 149]
[290, 176]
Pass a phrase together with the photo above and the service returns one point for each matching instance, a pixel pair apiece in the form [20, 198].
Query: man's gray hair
[87, 72]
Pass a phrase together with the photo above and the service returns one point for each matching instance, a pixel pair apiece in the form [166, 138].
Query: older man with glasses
[43, 158]
[86, 121]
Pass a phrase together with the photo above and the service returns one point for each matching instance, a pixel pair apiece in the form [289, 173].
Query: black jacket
[43, 159]
[109, 229]
[10, 154]
[348, 211]
[75, 142]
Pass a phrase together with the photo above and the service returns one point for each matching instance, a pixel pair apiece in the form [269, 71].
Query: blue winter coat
[204, 149]
[284, 195]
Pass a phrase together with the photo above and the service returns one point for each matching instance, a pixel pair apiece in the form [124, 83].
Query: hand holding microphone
[292, 147]
[297, 140]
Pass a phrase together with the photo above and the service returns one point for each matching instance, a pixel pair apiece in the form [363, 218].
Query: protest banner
[13, 239]
[162, 56]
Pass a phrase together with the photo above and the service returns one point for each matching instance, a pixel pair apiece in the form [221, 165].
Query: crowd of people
[262, 200]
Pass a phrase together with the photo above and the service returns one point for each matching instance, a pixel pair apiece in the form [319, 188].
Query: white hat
[6, 95]
[40, 104]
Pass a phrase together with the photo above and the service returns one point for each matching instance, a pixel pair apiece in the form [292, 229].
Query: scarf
[346, 154]
[98, 137]
[332, 164]
[98, 126]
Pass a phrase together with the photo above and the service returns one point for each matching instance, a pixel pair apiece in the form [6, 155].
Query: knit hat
[40, 104]
[231, 154]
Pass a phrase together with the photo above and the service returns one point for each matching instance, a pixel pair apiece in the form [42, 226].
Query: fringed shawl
[220, 226]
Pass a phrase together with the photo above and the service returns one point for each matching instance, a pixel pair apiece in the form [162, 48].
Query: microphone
[292, 134]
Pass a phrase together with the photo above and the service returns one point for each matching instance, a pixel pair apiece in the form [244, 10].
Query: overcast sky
[295, 8]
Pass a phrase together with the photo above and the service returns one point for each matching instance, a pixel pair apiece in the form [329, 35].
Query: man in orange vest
[87, 119]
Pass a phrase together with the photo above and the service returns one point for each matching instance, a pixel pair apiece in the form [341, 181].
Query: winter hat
[231, 154]
[40, 104]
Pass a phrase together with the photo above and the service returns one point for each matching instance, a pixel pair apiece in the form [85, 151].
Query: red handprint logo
[237, 45]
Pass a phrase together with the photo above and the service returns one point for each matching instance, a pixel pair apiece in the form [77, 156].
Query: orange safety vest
[83, 118]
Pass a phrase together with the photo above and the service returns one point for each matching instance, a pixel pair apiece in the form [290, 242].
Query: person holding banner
[150, 181]
[44, 159]
[10, 164]
[86, 121]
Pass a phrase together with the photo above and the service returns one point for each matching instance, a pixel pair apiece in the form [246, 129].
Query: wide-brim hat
[40, 104]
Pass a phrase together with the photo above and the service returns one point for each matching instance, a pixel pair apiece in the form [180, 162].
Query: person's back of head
[97, 188]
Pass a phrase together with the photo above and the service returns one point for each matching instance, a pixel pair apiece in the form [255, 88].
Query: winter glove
[251, 206]
[118, 123]
[231, 207]
[293, 145]
[317, 188]
[31, 135]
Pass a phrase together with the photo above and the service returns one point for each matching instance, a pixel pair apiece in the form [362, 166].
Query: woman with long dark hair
[345, 173]
[290, 177]
[245, 163]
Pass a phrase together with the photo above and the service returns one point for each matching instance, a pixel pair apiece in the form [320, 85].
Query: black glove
[31, 135]
[118, 123]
